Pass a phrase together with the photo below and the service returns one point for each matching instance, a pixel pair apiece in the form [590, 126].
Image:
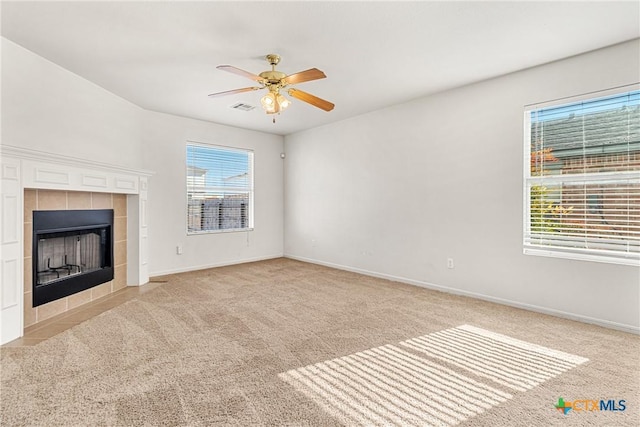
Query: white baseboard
[213, 265]
[535, 308]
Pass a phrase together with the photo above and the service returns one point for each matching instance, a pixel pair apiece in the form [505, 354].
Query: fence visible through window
[219, 189]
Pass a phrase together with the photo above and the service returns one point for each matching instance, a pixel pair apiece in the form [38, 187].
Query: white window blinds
[582, 179]
[219, 189]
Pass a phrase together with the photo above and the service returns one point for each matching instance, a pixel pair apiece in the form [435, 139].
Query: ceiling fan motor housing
[272, 77]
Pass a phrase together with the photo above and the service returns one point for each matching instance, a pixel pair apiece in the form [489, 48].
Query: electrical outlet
[449, 262]
[179, 250]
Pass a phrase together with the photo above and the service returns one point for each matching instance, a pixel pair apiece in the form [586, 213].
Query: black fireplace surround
[72, 251]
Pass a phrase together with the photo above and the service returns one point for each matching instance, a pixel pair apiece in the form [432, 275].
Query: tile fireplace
[33, 180]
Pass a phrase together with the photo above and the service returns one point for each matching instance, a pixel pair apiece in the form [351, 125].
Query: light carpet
[282, 342]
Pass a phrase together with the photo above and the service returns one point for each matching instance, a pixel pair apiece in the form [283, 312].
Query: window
[582, 178]
[219, 189]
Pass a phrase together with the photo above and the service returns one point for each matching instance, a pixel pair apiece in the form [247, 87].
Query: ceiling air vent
[242, 107]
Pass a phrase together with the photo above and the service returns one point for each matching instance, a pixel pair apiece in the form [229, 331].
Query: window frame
[250, 191]
[530, 180]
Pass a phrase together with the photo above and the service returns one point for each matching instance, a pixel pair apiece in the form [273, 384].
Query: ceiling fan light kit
[274, 102]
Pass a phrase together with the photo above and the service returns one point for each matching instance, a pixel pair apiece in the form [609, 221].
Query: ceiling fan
[274, 102]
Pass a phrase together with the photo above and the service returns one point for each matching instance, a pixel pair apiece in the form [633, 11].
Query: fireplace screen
[64, 256]
[72, 251]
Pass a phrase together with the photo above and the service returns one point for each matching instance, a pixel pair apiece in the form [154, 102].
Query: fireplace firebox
[72, 252]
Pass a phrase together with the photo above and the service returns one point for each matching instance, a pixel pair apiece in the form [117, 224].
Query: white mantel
[24, 168]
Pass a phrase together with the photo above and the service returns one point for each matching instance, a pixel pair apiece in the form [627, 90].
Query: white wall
[164, 141]
[48, 108]
[396, 192]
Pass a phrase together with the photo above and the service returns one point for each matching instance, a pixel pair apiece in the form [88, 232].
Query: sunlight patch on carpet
[516, 364]
[389, 385]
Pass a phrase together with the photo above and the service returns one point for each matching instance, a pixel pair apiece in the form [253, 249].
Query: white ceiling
[162, 55]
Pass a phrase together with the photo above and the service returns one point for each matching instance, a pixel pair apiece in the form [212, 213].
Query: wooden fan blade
[311, 99]
[239, 72]
[231, 92]
[304, 76]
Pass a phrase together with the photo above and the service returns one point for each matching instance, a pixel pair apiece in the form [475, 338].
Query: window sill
[635, 262]
[230, 230]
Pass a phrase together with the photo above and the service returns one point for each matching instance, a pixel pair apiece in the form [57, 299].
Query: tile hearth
[57, 324]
